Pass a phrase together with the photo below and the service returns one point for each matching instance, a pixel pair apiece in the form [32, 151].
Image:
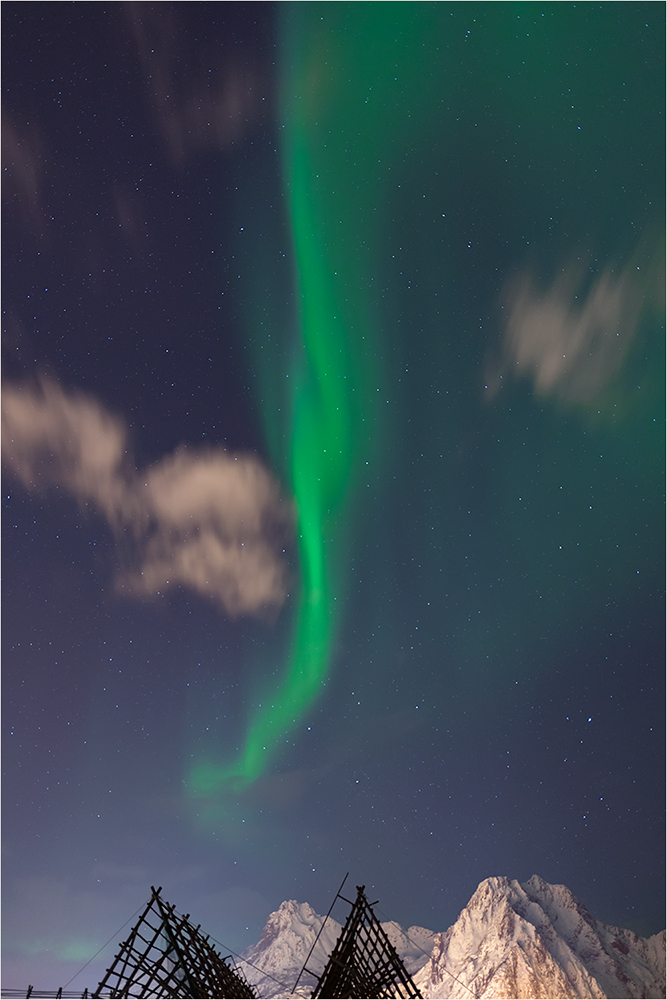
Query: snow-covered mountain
[537, 940]
[512, 940]
[283, 948]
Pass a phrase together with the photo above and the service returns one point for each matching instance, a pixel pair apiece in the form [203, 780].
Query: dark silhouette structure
[165, 956]
[364, 962]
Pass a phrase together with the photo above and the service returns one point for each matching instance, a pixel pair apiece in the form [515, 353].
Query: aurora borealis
[330, 393]
[333, 440]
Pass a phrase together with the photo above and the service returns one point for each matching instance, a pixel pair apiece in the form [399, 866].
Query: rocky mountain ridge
[530, 939]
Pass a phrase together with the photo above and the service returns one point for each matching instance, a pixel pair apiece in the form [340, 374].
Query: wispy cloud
[568, 339]
[211, 106]
[216, 519]
[23, 166]
[208, 520]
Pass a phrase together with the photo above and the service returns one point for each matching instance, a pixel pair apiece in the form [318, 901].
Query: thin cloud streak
[208, 109]
[208, 520]
[570, 343]
[23, 167]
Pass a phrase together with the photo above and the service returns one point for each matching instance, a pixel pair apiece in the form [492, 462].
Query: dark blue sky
[493, 697]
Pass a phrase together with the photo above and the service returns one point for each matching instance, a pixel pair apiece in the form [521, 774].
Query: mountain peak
[534, 939]
[290, 919]
[529, 939]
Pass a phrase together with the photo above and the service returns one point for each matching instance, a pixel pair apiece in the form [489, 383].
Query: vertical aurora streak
[324, 424]
[342, 117]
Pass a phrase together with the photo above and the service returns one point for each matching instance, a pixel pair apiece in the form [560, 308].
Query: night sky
[333, 409]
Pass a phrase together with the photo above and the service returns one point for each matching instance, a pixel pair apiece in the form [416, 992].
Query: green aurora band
[338, 129]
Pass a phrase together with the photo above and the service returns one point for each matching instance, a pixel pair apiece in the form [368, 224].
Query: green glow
[321, 460]
[343, 113]
[74, 950]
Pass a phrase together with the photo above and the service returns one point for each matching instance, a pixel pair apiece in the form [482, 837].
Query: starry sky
[333, 462]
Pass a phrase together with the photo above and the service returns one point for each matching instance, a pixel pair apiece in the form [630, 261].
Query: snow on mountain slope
[531, 940]
[414, 945]
[537, 940]
[279, 955]
[618, 959]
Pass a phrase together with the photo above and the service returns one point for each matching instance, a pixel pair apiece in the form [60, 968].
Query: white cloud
[23, 166]
[195, 110]
[569, 341]
[207, 520]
